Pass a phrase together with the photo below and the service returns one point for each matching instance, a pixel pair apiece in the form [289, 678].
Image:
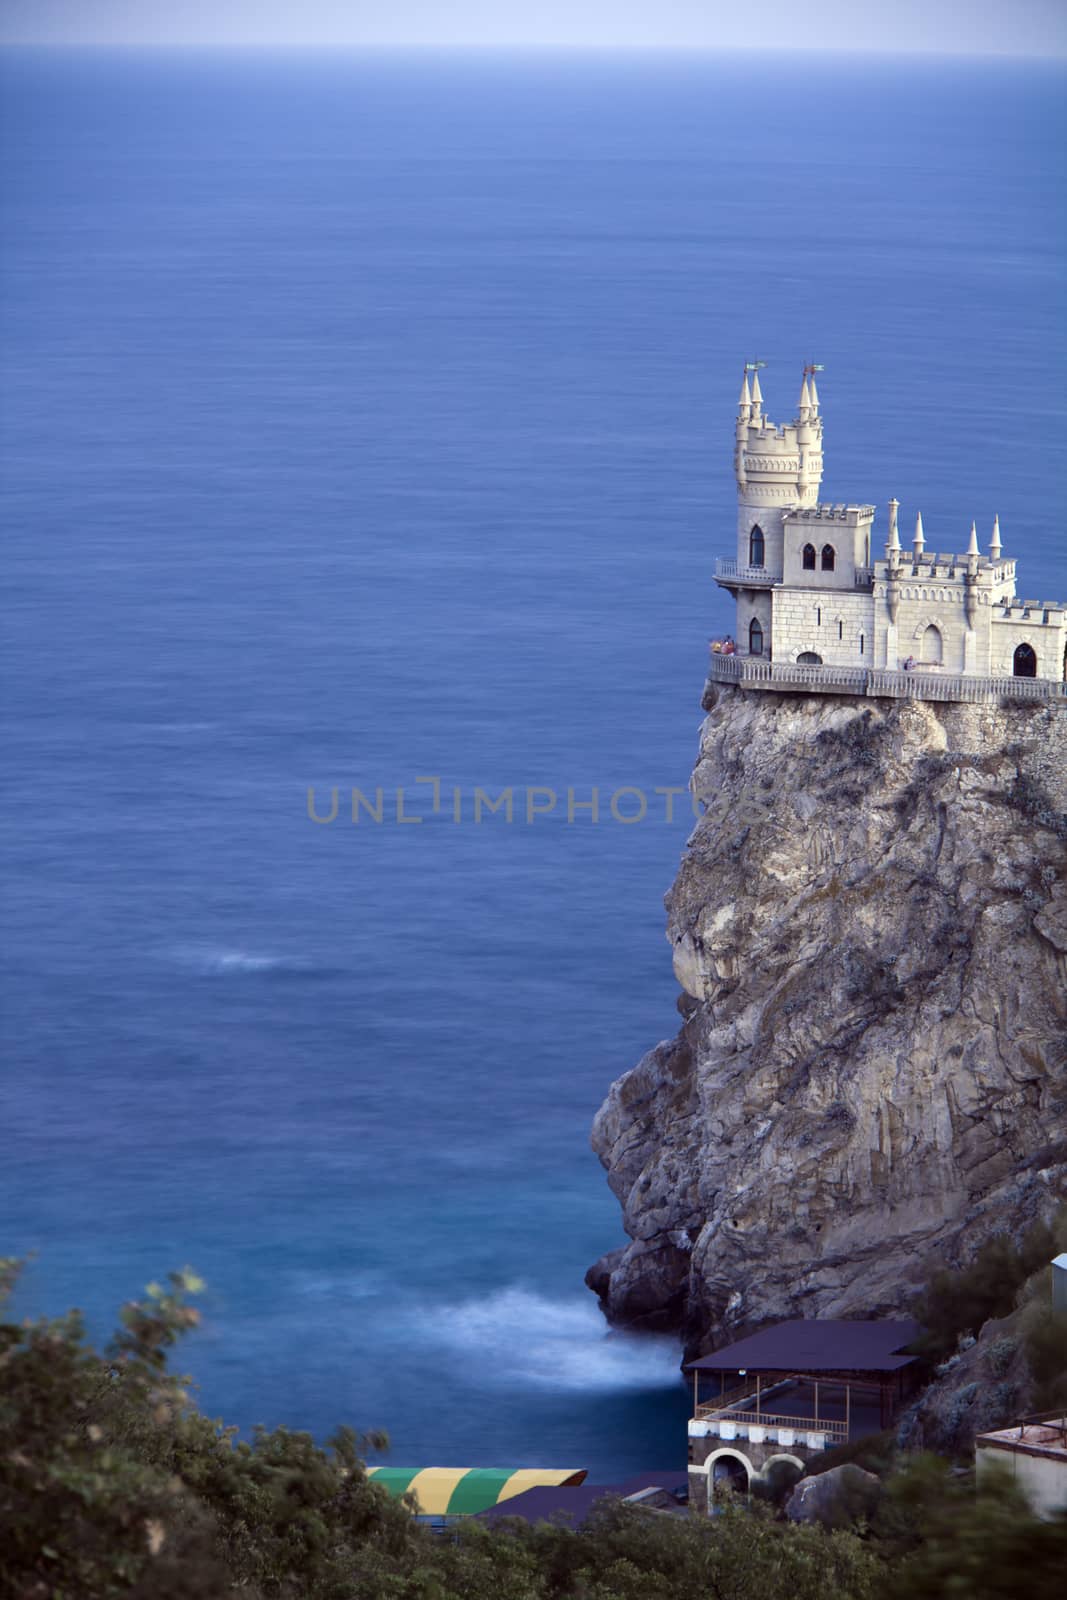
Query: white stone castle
[817, 612]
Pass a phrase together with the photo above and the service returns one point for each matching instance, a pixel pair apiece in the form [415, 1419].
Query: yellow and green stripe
[462, 1491]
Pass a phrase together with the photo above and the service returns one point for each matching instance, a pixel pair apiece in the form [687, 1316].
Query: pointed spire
[920, 537]
[746, 394]
[972, 548]
[813, 393]
[805, 398]
[994, 548]
[894, 535]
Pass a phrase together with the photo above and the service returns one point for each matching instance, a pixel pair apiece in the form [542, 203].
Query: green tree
[952, 1537]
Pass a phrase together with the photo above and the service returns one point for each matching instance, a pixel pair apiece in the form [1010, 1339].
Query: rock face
[870, 929]
[984, 1386]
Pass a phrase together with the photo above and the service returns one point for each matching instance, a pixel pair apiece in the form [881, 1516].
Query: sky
[982, 27]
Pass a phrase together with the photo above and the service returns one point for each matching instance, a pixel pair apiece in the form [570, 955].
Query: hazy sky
[993, 27]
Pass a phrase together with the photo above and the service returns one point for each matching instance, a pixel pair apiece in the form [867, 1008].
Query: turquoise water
[367, 420]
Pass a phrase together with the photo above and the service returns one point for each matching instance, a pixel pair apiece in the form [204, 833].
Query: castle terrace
[756, 672]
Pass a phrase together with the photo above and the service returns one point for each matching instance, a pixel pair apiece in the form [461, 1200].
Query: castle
[816, 612]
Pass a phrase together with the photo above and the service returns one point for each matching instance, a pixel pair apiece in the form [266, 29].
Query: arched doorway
[930, 650]
[829, 557]
[756, 547]
[809, 558]
[779, 1478]
[727, 1470]
[808, 658]
[1024, 662]
[755, 638]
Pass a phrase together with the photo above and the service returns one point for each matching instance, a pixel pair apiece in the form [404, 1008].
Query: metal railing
[722, 1402]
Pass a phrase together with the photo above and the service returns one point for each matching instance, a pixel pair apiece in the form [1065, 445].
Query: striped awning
[461, 1491]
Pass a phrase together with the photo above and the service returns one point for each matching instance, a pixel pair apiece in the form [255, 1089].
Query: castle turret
[778, 469]
[995, 547]
[892, 548]
[757, 397]
[919, 542]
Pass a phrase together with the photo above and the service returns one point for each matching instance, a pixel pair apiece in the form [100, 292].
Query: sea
[367, 425]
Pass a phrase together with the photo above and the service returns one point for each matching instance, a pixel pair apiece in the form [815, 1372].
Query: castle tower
[778, 470]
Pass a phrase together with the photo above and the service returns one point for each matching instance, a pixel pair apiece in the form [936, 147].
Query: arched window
[808, 658]
[828, 558]
[809, 558]
[755, 638]
[1024, 662]
[930, 649]
[755, 546]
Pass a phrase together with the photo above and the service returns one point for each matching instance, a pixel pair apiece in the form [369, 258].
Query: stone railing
[760, 673]
[756, 672]
[750, 577]
[921, 685]
[864, 577]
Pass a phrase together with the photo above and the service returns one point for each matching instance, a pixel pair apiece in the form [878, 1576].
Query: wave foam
[519, 1336]
[211, 959]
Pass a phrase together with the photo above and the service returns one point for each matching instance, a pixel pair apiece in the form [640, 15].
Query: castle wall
[846, 557]
[770, 519]
[846, 529]
[946, 613]
[828, 622]
[754, 603]
[1047, 640]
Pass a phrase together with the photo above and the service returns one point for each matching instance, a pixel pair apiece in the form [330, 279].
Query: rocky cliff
[870, 930]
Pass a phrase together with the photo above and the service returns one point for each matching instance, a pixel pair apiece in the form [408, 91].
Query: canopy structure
[817, 1345]
[463, 1491]
[805, 1372]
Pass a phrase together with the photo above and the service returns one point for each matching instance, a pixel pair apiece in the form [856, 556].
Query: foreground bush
[112, 1484]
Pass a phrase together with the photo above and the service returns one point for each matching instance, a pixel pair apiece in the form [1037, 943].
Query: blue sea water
[367, 419]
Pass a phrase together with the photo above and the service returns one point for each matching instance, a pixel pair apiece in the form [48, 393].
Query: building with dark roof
[791, 1391]
[574, 1504]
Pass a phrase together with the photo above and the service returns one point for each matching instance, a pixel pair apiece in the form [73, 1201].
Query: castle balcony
[864, 577]
[732, 575]
[756, 672]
